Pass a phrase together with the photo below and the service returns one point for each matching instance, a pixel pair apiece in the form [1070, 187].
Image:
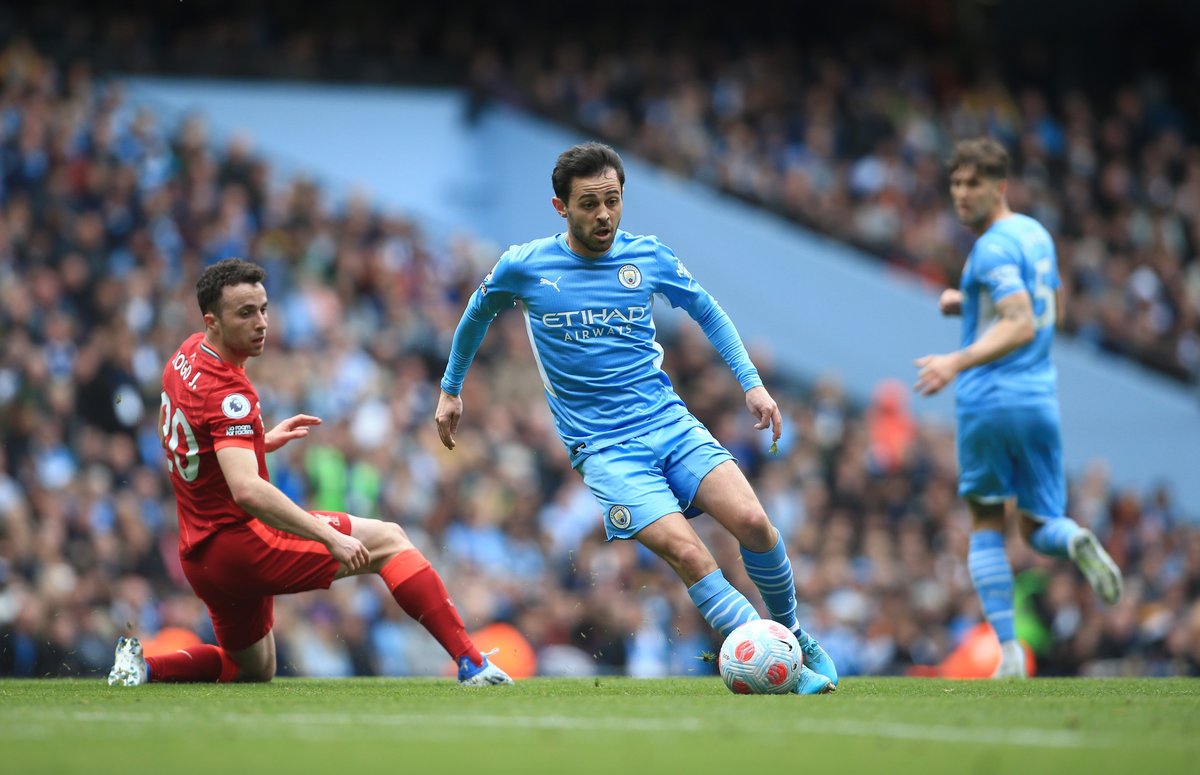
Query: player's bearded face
[242, 325]
[594, 213]
[975, 196]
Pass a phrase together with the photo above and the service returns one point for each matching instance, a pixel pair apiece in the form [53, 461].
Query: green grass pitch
[610, 725]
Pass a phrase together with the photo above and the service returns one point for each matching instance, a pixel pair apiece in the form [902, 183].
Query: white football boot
[485, 674]
[1095, 564]
[1012, 661]
[129, 666]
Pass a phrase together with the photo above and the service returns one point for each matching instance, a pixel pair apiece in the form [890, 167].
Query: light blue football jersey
[591, 328]
[1015, 254]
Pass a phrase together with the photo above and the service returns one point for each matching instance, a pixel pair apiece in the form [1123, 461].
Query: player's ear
[559, 205]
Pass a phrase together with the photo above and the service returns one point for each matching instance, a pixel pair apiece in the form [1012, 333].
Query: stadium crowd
[854, 146]
[838, 117]
[106, 218]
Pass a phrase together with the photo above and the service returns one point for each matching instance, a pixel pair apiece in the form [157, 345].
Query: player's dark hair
[585, 160]
[231, 271]
[986, 155]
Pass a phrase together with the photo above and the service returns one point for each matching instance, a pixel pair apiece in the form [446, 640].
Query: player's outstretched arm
[765, 410]
[267, 503]
[290, 429]
[449, 412]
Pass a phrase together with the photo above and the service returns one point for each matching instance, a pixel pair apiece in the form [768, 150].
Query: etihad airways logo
[578, 325]
[593, 317]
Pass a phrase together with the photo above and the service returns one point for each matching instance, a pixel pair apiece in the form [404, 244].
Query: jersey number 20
[174, 423]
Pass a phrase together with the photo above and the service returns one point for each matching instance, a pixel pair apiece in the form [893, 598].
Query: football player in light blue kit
[1009, 444]
[587, 295]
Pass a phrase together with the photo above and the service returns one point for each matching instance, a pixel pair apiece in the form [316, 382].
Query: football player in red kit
[241, 540]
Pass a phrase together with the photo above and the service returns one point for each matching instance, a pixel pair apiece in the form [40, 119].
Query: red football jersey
[206, 404]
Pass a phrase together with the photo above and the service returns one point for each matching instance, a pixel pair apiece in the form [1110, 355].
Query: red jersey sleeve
[233, 415]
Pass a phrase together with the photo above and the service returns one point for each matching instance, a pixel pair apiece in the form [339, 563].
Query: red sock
[419, 590]
[194, 664]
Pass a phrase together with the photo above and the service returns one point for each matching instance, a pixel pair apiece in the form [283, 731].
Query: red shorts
[239, 570]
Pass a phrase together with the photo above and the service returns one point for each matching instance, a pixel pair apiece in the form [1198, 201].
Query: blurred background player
[587, 296]
[242, 540]
[1009, 442]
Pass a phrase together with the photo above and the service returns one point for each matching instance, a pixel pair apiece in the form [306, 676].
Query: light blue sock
[771, 572]
[1054, 536]
[993, 579]
[721, 605]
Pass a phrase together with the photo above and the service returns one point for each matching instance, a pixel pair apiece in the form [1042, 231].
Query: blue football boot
[812, 682]
[815, 656]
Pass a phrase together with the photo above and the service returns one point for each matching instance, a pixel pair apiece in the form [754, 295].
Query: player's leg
[419, 590]
[242, 624]
[725, 495]
[991, 574]
[985, 466]
[242, 618]
[719, 602]
[1042, 499]
[639, 503]
[202, 663]
[704, 476]
[256, 663]
[237, 573]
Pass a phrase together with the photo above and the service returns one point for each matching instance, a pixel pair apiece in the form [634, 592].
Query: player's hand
[935, 372]
[950, 302]
[449, 412]
[349, 551]
[765, 410]
[290, 429]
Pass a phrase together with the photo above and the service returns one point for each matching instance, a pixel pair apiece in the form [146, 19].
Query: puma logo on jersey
[554, 285]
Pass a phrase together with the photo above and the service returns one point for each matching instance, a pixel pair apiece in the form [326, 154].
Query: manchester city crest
[630, 276]
[619, 517]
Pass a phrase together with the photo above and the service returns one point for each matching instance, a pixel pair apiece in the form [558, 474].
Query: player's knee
[395, 539]
[258, 672]
[388, 540]
[260, 676]
[692, 560]
[753, 528]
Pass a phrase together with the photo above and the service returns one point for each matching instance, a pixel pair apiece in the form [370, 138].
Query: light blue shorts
[643, 479]
[1013, 451]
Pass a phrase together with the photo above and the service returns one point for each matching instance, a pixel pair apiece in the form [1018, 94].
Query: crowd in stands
[838, 117]
[107, 216]
[855, 147]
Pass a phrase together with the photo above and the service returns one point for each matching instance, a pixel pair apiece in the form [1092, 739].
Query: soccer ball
[760, 657]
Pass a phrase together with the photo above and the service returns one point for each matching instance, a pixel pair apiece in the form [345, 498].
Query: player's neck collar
[204, 346]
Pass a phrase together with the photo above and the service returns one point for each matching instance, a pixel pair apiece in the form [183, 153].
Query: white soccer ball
[760, 657]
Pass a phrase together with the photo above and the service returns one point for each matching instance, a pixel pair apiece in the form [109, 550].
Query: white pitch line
[1018, 736]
